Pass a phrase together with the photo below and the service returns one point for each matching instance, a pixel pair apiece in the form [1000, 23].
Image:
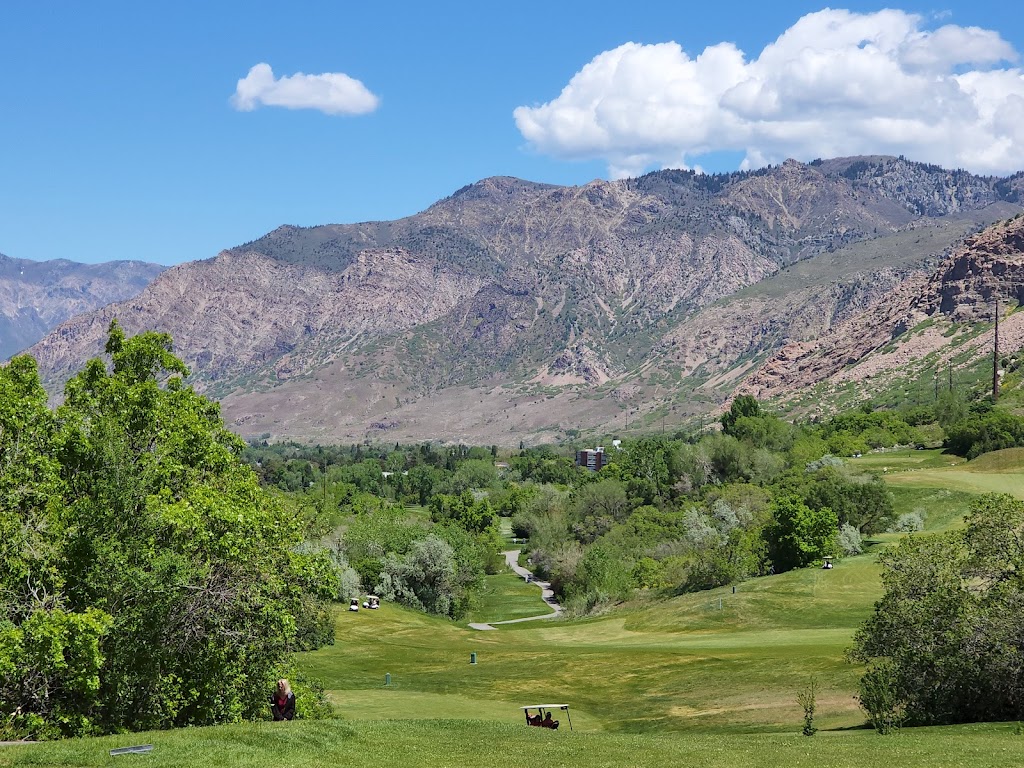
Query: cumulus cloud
[835, 83]
[334, 93]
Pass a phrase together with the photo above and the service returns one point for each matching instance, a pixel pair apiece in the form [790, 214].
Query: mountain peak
[442, 325]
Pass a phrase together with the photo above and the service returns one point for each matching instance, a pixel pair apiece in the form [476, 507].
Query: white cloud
[835, 83]
[332, 92]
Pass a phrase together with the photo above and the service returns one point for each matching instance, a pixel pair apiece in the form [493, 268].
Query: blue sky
[122, 136]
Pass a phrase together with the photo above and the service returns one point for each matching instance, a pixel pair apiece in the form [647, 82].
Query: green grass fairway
[962, 478]
[679, 665]
[709, 679]
[463, 743]
[996, 472]
[905, 459]
[507, 596]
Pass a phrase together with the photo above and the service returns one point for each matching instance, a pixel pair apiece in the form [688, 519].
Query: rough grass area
[1006, 460]
[940, 508]
[461, 743]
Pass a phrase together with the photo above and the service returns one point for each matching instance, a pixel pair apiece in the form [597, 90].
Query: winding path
[512, 560]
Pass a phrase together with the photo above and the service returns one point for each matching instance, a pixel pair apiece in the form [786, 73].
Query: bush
[981, 433]
[909, 522]
[424, 578]
[807, 699]
[850, 541]
[879, 697]
[310, 698]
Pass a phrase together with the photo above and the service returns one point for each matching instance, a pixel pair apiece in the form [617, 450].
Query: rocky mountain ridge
[986, 270]
[527, 311]
[36, 296]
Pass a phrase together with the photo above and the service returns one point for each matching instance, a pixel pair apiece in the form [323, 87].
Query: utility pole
[325, 485]
[995, 353]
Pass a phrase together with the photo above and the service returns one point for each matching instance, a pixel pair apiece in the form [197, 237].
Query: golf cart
[372, 602]
[543, 717]
[353, 604]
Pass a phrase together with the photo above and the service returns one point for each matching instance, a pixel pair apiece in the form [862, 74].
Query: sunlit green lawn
[506, 596]
[714, 659]
[464, 743]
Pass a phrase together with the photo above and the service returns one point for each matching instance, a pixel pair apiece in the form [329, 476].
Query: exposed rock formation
[964, 288]
[511, 309]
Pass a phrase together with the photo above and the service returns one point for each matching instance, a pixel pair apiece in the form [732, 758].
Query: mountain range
[515, 311]
[36, 296]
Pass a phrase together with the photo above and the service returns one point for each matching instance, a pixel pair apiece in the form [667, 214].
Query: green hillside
[708, 660]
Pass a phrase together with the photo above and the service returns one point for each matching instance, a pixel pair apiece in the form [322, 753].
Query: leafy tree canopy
[944, 643]
[146, 580]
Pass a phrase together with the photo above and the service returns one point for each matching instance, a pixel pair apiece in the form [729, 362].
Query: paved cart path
[512, 560]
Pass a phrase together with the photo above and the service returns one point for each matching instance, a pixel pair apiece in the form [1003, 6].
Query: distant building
[592, 460]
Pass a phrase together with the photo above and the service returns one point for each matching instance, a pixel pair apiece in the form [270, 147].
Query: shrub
[879, 697]
[909, 522]
[850, 541]
[807, 699]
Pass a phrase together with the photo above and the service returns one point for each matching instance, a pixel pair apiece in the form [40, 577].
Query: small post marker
[387, 679]
[472, 658]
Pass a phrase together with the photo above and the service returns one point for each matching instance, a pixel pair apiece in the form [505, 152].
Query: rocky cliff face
[511, 309]
[35, 296]
[988, 268]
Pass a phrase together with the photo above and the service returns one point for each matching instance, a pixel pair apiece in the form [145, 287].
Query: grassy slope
[385, 744]
[690, 663]
[707, 678]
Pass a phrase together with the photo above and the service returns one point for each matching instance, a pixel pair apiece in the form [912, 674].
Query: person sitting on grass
[282, 702]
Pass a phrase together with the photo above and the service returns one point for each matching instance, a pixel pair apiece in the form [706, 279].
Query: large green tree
[149, 581]
[947, 634]
[799, 535]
